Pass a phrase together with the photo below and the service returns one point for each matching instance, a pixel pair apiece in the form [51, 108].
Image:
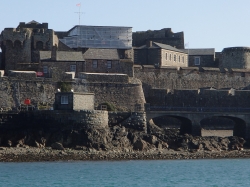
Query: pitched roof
[62, 56]
[200, 51]
[162, 46]
[105, 54]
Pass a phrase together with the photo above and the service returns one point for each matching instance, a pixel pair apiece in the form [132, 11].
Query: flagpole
[80, 15]
[79, 12]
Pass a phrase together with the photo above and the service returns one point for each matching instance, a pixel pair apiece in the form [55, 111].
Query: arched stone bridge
[191, 121]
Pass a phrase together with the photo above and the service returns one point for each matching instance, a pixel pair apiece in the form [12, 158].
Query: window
[73, 68]
[94, 64]
[183, 60]
[45, 69]
[174, 57]
[196, 61]
[109, 64]
[170, 57]
[179, 58]
[64, 100]
[166, 56]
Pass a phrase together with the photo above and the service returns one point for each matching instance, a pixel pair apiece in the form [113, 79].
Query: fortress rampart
[124, 96]
[191, 78]
[236, 57]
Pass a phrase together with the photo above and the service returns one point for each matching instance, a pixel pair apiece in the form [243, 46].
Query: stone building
[164, 36]
[107, 61]
[74, 101]
[201, 57]
[21, 45]
[61, 61]
[160, 55]
[236, 57]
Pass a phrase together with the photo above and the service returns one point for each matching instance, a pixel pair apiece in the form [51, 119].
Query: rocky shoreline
[20, 154]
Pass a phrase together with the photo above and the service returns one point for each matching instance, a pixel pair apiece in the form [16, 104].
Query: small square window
[73, 68]
[45, 69]
[64, 100]
[196, 61]
[94, 64]
[109, 64]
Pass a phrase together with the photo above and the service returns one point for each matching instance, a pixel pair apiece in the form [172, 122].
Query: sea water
[183, 173]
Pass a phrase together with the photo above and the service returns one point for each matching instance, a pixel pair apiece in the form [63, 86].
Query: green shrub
[64, 86]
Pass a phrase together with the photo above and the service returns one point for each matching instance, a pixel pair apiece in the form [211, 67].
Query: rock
[151, 139]
[57, 146]
[80, 148]
[140, 145]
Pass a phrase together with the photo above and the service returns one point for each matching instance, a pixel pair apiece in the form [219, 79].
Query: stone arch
[172, 121]
[9, 43]
[17, 44]
[39, 45]
[237, 125]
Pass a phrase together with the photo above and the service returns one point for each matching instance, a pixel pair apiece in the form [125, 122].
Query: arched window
[39, 45]
[170, 57]
[166, 56]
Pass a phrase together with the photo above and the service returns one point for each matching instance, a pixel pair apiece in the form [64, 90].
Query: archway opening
[177, 124]
[39, 45]
[223, 126]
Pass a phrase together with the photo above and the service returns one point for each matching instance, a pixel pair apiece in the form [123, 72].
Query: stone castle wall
[165, 36]
[236, 57]
[15, 89]
[200, 98]
[191, 78]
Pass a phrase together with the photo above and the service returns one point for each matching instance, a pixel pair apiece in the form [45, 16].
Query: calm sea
[231, 172]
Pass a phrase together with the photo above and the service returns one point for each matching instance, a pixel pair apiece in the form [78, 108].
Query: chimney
[149, 43]
[54, 53]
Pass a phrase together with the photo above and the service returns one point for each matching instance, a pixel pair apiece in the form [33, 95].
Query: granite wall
[191, 78]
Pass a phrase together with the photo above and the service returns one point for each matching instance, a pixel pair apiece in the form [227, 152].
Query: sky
[205, 23]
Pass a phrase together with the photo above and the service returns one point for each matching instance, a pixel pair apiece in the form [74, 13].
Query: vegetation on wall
[64, 86]
[110, 106]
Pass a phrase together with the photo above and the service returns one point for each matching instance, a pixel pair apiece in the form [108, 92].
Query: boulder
[140, 145]
[57, 146]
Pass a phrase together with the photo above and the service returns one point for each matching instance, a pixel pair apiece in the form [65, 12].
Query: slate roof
[62, 56]
[101, 54]
[162, 46]
[200, 51]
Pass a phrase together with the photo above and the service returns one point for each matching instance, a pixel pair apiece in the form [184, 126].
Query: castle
[114, 63]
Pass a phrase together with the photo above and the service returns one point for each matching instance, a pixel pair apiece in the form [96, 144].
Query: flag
[79, 4]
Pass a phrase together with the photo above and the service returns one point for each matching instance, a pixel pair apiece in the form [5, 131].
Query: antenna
[79, 12]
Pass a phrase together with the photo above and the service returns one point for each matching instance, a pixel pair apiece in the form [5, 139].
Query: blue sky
[206, 23]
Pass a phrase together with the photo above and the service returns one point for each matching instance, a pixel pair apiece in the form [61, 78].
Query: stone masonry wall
[191, 78]
[124, 96]
[200, 98]
[236, 57]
